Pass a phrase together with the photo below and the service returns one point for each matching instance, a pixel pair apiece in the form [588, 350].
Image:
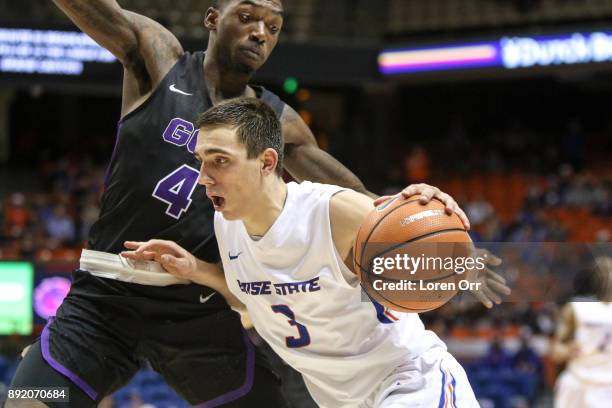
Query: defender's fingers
[491, 294]
[483, 299]
[499, 287]
[494, 275]
[493, 260]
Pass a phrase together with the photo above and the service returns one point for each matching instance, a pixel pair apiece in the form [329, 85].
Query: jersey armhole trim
[154, 92]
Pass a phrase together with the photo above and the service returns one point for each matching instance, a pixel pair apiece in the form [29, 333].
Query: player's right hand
[426, 193]
[174, 258]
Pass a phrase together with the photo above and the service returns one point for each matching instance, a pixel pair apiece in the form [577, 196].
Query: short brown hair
[256, 125]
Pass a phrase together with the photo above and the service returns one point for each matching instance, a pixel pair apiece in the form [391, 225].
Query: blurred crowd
[549, 210]
[43, 224]
[54, 222]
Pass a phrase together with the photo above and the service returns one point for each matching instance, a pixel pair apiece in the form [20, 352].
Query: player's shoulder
[347, 210]
[308, 190]
[271, 99]
[350, 203]
[344, 204]
[309, 187]
[190, 63]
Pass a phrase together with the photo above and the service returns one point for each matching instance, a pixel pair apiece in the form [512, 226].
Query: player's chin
[249, 65]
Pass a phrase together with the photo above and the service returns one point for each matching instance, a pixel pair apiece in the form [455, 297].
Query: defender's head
[243, 33]
[240, 146]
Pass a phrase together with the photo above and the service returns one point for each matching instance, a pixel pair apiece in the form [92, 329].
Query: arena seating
[355, 19]
[415, 16]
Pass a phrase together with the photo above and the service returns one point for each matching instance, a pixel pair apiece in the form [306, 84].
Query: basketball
[410, 256]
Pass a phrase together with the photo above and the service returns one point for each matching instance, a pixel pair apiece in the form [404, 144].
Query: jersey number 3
[175, 190]
[291, 341]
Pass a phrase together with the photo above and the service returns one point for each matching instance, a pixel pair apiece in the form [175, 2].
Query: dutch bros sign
[507, 52]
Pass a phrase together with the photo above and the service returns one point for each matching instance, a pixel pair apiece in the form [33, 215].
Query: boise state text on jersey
[265, 287]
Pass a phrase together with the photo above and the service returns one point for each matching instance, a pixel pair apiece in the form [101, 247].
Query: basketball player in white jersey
[584, 342]
[286, 251]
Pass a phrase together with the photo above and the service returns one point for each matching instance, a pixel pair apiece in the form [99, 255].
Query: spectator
[60, 225]
[16, 212]
[497, 358]
[526, 359]
[479, 210]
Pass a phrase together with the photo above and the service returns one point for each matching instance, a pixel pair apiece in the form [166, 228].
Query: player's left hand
[492, 286]
[174, 258]
[428, 192]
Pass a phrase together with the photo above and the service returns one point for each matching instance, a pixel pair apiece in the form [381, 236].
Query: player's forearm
[105, 22]
[308, 162]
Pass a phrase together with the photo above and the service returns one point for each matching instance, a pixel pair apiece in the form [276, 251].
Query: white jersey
[593, 336]
[308, 305]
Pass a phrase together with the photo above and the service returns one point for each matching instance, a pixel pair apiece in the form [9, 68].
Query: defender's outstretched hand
[492, 285]
[174, 258]
[428, 192]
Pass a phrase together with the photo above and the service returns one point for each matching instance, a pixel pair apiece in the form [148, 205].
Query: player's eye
[244, 17]
[274, 29]
[220, 160]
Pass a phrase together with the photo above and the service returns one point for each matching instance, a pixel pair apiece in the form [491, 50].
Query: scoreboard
[36, 55]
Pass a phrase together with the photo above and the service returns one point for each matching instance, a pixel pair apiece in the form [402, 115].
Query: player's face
[231, 179]
[247, 32]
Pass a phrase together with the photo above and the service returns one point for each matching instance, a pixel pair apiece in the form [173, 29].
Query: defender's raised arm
[104, 21]
[145, 48]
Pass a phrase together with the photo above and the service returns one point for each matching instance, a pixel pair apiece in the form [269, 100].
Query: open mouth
[218, 202]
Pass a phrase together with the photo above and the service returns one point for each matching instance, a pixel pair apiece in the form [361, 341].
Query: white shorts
[571, 392]
[433, 380]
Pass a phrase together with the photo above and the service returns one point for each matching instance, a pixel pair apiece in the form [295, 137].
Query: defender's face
[231, 179]
[248, 31]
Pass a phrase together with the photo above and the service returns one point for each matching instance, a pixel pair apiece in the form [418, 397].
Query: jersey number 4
[291, 341]
[175, 190]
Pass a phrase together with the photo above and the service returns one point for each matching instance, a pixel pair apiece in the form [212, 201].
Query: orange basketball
[409, 256]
